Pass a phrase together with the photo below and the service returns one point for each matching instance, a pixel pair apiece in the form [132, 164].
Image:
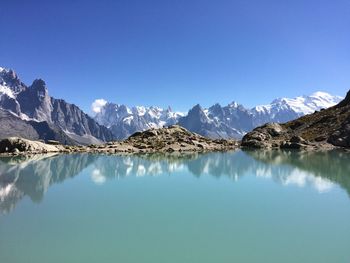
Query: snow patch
[6, 90]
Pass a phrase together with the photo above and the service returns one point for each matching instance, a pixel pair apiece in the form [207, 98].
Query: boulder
[16, 145]
[341, 137]
[262, 137]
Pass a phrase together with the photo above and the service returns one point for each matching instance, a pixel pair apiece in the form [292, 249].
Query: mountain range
[124, 121]
[231, 121]
[29, 112]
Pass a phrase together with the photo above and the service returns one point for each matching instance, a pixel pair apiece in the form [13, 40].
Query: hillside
[325, 128]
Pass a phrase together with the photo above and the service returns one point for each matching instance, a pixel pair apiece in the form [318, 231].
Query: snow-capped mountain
[231, 121]
[124, 121]
[29, 112]
[234, 120]
[285, 109]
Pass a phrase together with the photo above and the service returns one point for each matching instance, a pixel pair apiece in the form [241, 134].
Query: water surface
[218, 207]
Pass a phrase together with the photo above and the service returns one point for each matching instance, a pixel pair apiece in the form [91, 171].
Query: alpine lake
[240, 206]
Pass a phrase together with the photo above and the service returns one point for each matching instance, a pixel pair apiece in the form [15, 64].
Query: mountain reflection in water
[32, 176]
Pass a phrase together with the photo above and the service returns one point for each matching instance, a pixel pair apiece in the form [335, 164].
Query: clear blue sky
[178, 52]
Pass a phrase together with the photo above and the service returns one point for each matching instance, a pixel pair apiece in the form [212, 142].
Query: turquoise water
[219, 207]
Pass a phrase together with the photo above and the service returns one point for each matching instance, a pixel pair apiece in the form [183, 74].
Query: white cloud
[97, 105]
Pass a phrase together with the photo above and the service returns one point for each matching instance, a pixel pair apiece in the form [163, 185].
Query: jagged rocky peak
[216, 111]
[8, 74]
[39, 89]
[195, 115]
[197, 110]
[197, 107]
[39, 85]
[123, 109]
[49, 117]
[215, 108]
[124, 121]
[234, 104]
[35, 101]
[10, 80]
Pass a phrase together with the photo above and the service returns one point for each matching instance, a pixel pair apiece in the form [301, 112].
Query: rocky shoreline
[164, 140]
[173, 139]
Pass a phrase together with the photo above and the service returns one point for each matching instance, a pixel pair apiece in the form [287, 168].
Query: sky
[178, 52]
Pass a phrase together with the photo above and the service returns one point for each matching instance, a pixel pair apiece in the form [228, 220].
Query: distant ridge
[231, 121]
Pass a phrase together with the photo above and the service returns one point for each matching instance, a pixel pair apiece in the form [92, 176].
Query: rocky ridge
[171, 139]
